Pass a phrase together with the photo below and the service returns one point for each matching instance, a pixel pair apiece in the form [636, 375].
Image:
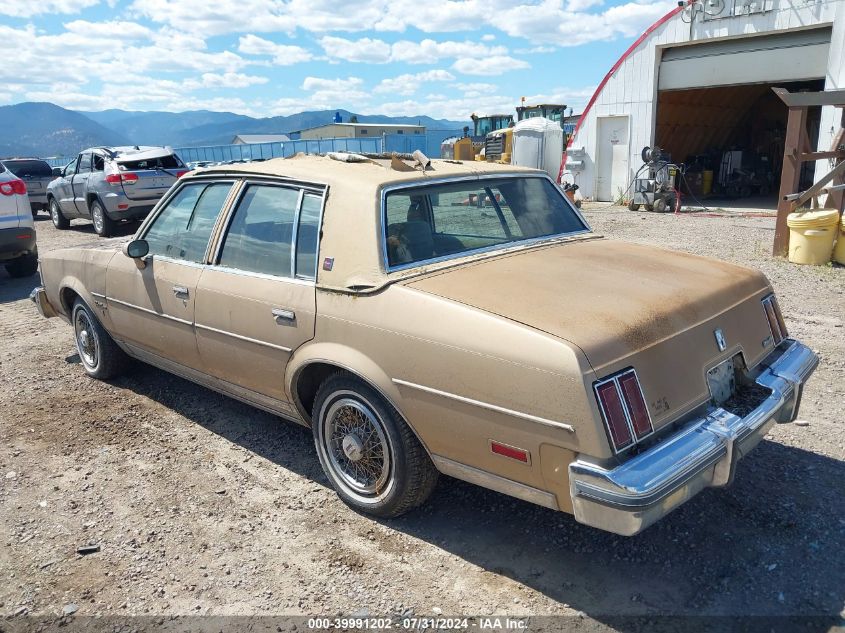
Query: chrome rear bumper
[630, 497]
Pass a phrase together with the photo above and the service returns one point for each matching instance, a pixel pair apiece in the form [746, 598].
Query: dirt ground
[202, 505]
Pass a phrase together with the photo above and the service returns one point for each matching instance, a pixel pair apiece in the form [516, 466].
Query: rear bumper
[118, 207]
[635, 494]
[39, 298]
[16, 241]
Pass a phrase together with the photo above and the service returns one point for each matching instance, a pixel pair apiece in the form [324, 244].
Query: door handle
[180, 291]
[283, 315]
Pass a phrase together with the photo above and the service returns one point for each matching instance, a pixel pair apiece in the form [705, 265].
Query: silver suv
[108, 185]
[36, 175]
[18, 251]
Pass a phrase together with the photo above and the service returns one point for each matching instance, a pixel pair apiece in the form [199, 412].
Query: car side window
[260, 234]
[183, 227]
[70, 168]
[98, 163]
[84, 163]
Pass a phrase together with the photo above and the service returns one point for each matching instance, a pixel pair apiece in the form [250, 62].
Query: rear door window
[183, 227]
[261, 231]
[84, 163]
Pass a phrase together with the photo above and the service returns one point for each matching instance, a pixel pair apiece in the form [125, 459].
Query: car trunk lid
[624, 305]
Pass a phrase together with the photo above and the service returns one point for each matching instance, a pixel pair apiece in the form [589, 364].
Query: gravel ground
[201, 505]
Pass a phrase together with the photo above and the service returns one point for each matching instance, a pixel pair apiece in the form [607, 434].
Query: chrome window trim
[302, 281]
[486, 405]
[294, 232]
[322, 197]
[232, 208]
[614, 378]
[503, 247]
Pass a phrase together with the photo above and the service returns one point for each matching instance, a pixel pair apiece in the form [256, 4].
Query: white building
[698, 83]
[251, 139]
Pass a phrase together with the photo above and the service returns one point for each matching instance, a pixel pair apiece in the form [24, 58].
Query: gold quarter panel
[424, 340]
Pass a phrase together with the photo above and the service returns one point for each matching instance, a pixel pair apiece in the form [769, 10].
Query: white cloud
[29, 8]
[557, 22]
[283, 54]
[489, 66]
[362, 50]
[427, 51]
[408, 84]
[333, 93]
[231, 80]
[109, 29]
[215, 17]
[488, 37]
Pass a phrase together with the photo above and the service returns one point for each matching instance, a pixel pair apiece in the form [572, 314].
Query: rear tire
[370, 455]
[103, 224]
[660, 205]
[100, 356]
[632, 206]
[59, 221]
[23, 266]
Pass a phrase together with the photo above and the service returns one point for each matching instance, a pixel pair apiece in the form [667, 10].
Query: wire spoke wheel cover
[356, 446]
[86, 339]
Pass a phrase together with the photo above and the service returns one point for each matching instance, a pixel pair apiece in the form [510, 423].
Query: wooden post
[790, 176]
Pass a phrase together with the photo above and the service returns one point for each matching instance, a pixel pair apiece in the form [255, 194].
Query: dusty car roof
[351, 233]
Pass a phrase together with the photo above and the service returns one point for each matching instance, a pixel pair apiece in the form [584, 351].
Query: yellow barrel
[707, 182]
[811, 235]
[839, 251]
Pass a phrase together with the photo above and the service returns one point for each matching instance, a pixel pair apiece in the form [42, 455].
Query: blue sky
[445, 58]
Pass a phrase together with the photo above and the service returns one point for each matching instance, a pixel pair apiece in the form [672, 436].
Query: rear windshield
[29, 168]
[453, 218]
[161, 162]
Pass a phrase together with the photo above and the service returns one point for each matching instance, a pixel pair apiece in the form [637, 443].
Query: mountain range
[45, 129]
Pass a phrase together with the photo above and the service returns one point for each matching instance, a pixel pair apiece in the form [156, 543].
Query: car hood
[610, 298]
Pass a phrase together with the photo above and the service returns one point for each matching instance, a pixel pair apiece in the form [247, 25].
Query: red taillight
[13, 187]
[126, 179]
[181, 173]
[614, 414]
[624, 409]
[637, 410]
[775, 319]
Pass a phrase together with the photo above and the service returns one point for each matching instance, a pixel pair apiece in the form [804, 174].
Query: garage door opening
[731, 139]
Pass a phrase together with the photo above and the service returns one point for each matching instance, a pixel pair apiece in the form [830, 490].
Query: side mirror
[136, 249]
[57, 172]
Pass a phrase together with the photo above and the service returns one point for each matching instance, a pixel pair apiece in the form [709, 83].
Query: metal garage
[698, 84]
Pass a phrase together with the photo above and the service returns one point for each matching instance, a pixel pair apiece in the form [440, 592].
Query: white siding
[632, 90]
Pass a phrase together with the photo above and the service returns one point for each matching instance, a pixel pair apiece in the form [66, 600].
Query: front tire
[101, 357]
[372, 458]
[633, 206]
[59, 221]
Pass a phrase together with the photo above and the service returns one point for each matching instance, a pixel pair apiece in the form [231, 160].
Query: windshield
[485, 125]
[454, 218]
